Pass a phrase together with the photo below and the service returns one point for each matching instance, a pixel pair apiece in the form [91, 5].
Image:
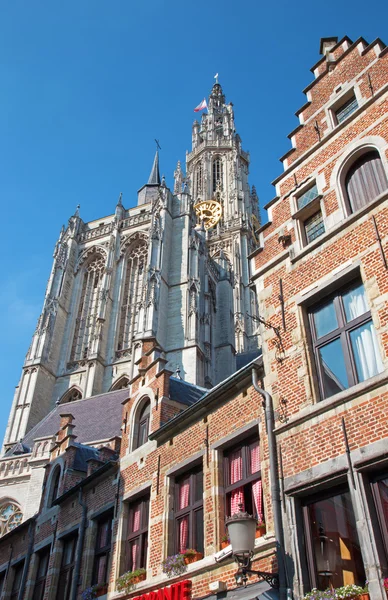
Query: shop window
[137, 538]
[41, 575]
[242, 475]
[344, 339]
[67, 567]
[345, 110]
[103, 549]
[17, 580]
[142, 425]
[189, 511]
[380, 495]
[365, 180]
[333, 550]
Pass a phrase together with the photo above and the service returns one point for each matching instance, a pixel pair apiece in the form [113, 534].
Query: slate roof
[184, 392]
[95, 418]
[244, 359]
[83, 454]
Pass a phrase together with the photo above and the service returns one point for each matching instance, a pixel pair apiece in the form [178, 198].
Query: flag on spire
[201, 106]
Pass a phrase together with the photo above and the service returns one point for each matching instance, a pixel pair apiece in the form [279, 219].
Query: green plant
[319, 595]
[260, 523]
[174, 565]
[348, 591]
[190, 552]
[225, 538]
[127, 580]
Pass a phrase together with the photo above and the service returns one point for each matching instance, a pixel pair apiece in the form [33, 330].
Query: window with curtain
[87, 317]
[217, 173]
[132, 294]
[137, 537]
[142, 425]
[17, 580]
[380, 495]
[41, 574]
[365, 180]
[67, 568]
[345, 341]
[103, 548]
[189, 511]
[331, 541]
[242, 476]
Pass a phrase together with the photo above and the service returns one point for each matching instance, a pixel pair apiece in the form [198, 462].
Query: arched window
[217, 173]
[120, 384]
[72, 395]
[54, 486]
[199, 179]
[365, 180]
[87, 318]
[132, 294]
[10, 516]
[142, 425]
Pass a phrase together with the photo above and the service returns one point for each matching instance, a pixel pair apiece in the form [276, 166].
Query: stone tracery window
[86, 321]
[10, 517]
[217, 173]
[71, 395]
[132, 294]
[199, 179]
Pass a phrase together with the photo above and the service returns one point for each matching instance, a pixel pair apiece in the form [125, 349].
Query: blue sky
[86, 86]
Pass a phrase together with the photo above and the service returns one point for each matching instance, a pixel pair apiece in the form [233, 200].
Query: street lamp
[242, 530]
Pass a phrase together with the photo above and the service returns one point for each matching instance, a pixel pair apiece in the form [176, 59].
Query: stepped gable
[97, 418]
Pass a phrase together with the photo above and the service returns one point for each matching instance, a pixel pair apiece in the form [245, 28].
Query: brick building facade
[298, 434]
[322, 281]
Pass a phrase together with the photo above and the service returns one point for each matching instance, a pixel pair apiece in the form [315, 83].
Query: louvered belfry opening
[365, 180]
[86, 322]
[132, 294]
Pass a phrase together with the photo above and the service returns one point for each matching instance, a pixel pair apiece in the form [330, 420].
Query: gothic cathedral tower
[155, 271]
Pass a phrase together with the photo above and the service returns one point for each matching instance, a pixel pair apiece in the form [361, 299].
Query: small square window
[346, 109]
[314, 227]
[307, 197]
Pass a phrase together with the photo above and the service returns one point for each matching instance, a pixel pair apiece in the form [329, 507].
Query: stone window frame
[137, 409]
[71, 536]
[364, 146]
[17, 569]
[142, 534]
[193, 507]
[53, 483]
[119, 562]
[331, 289]
[41, 579]
[106, 515]
[300, 215]
[218, 449]
[337, 101]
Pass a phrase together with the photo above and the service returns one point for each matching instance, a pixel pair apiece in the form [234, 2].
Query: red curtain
[184, 499]
[257, 489]
[235, 474]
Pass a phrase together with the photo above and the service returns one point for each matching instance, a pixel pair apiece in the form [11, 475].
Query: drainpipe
[31, 531]
[284, 584]
[80, 545]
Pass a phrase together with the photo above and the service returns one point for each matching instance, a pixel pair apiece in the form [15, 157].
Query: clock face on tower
[209, 211]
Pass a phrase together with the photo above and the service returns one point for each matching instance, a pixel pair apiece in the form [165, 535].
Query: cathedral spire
[154, 178]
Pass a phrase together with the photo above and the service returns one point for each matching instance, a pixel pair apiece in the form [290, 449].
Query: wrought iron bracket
[271, 578]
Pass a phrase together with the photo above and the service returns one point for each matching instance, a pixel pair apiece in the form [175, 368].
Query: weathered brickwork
[310, 431]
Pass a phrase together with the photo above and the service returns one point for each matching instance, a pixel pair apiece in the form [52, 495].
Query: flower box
[364, 596]
[191, 557]
[126, 581]
[224, 545]
[101, 591]
[260, 530]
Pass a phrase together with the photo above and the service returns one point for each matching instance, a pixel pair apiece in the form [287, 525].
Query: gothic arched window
[132, 294]
[199, 179]
[121, 384]
[72, 395]
[86, 322]
[217, 173]
[365, 180]
[10, 516]
[142, 425]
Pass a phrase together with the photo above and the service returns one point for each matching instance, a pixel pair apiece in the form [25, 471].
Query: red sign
[177, 591]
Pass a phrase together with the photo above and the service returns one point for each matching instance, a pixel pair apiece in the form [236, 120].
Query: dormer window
[346, 109]
[309, 214]
[54, 486]
[308, 196]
